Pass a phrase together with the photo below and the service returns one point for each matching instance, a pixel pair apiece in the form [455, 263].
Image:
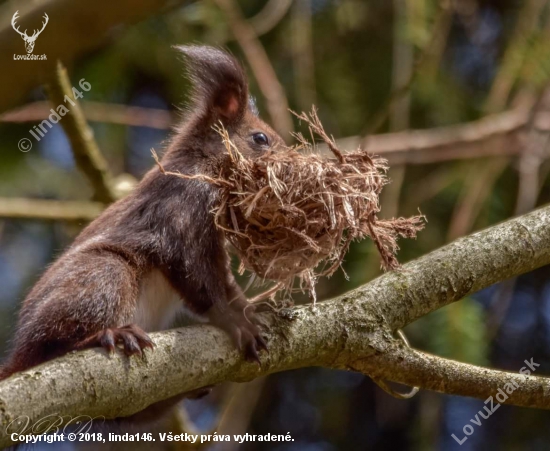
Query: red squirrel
[133, 268]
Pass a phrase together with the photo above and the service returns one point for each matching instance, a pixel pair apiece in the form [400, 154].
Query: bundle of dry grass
[293, 214]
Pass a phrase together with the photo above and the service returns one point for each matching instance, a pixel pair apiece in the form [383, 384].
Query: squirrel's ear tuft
[220, 88]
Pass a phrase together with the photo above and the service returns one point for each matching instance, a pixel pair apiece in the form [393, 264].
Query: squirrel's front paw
[132, 338]
[241, 327]
[247, 337]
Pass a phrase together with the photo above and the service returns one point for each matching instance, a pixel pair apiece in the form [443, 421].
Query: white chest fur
[158, 303]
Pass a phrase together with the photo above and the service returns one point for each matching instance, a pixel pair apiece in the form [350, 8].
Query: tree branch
[112, 113]
[353, 331]
[270, 16]
[87, 155]
[49, 210]
[514, 57]
[493, 135]
[408, 366]
[497, 134]
[430, 55]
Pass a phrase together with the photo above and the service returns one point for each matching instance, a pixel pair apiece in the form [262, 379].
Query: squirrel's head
[220, 95]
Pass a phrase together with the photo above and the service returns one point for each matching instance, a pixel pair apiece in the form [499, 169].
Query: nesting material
[292, 214]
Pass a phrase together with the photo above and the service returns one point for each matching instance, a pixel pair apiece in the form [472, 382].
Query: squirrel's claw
[132, 338]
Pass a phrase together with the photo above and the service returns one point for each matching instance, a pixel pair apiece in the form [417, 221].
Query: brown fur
[162, 232]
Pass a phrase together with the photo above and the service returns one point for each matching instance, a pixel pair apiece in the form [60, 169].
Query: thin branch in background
[235, 412]
[430, 411]
[500, 303]
[238, 411]
[492, 135]
[435, 49]
[399, 111]
[534, 72]
[533, 154]
[181, 423]
[514, 56]
[50, 210]
[302, 54]
[534, 141]
[271, 88]
[544, 174]
[97, 112]
[438, 38]
[534, 151]
[533, 147]
[528, 191]
[476, 188]
[270, 16]
[430, 186]
[86, 153]
[529, 180]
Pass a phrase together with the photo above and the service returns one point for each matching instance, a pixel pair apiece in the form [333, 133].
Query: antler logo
[29, 40]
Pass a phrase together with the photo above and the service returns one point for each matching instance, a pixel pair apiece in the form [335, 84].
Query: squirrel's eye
[260, 139]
